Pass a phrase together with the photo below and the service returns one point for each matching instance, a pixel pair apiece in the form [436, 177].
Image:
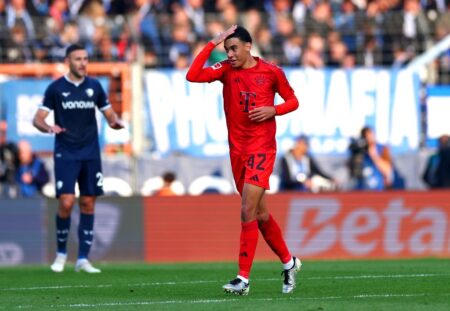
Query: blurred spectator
[181, 45]
[347, 23]
[443, 61]
[320, 21]
[18, 46]
[299, 171]
[411, 29]
[263, 44]
[16, 12]
[151, 30]
[230, 15]
[59, 13]
[287, 45]
[31, 174]
[9, 162]
[444, 167]
[68, 36]
[196, 13]
[166, 189]
[313, 56]
[338, 52]
[371, 165]
[301, 10]
[437, 170]
[370, 54]
[252, 20]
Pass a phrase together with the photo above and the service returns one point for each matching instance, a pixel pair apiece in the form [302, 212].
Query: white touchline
[342, 277]
[214, 301]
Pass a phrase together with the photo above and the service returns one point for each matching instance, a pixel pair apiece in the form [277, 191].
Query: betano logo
[78, 104]
[326, 228]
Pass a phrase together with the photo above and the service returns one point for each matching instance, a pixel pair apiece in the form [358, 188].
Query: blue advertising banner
[20, 100]
[438, 112]
[334, 106]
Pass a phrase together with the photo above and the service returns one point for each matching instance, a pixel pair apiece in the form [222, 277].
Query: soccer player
[249, 87]
[73, 98]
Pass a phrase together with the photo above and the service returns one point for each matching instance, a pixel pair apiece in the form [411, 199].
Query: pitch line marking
[343, 277]
[215, 301]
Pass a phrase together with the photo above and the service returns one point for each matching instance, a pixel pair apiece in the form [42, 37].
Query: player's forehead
[78, 54]
[233, 42]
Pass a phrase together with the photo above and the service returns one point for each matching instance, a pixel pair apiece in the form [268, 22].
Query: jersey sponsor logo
[65, 94]
[90, 92]
[81, 104]
[216, 66]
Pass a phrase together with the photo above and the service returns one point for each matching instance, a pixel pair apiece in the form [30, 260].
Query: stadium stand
[163, 33]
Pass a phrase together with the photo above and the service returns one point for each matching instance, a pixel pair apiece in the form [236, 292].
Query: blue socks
[62, 232]
[85, 235]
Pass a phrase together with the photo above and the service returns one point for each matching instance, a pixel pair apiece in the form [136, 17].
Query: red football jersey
[244, 90]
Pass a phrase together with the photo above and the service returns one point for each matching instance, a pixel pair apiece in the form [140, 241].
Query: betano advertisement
[334, 226]
[334, 106]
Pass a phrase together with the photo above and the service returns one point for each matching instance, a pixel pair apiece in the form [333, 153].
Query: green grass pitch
[322, 285]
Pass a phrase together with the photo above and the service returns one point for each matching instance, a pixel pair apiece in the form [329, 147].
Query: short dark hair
[169, 177]
[74, 47]
[242, 34]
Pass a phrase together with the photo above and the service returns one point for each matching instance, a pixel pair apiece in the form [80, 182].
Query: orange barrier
[329, 226]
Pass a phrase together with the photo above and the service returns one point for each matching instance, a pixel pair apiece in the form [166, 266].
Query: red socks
[272, 234]
[248, 242]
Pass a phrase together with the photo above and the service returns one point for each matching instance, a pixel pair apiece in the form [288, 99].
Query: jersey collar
[72, 82]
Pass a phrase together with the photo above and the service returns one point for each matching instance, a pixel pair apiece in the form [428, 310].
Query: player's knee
[87, 205]
[65, 207]
[262, 216]
[248, 213]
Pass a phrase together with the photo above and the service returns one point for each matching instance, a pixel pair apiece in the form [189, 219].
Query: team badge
[89, 92]
[59, 184]
[260, 80]
[217, 66]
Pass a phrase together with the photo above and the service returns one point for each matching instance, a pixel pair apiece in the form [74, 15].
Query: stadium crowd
[309, 33]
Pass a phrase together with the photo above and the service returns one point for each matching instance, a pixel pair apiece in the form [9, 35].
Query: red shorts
[254, 168]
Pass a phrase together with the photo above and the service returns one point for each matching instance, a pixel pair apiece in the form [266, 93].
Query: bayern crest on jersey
[89, 92]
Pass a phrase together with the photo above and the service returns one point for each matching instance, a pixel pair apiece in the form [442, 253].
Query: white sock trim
[288, 265]
[245, 280]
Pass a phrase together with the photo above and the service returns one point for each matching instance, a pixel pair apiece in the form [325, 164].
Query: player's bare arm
[261, 114]
[113, 120]
[44, 127]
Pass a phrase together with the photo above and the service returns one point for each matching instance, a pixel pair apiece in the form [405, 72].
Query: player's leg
[91, 185]
[66, 172]
[274, 238]
[251, 195]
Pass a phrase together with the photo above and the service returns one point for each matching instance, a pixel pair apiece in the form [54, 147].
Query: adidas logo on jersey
[254, 178]
[65, 94]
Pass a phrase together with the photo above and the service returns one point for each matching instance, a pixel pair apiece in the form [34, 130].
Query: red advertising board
[329, 226]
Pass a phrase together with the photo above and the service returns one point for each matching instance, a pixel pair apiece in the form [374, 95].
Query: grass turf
[323, 285]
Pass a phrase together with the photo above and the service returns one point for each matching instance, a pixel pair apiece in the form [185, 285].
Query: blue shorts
[88, 174]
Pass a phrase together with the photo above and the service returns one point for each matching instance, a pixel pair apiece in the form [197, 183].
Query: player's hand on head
[223, 35]
[262, 113]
